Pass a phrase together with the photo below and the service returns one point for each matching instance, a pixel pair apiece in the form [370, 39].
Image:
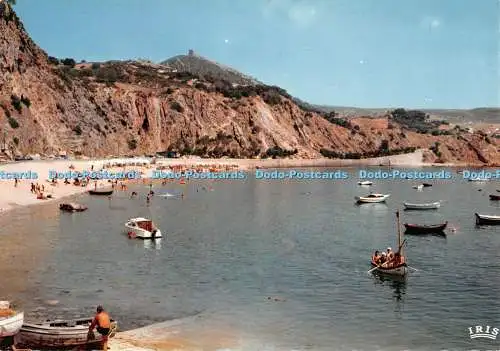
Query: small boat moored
[372, 198]
[11, 321]
[72, 207]
[365, 182]
[142, 228]
[426, 185]
[425, 228]
[478, 179]
[487, 219]
[495, 197]
[418, 187]
[60, 334]
[424, 206]
[101, 192]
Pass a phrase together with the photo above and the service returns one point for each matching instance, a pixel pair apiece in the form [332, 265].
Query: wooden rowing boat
[424, 228]
[10, 321]
[365, 182]
[495, 197]
[424, 206]
[60, 334]
[487, 219]
[101, 192]
[399, 268]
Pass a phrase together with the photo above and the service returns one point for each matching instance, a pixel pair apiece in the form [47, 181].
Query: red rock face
[145, 111]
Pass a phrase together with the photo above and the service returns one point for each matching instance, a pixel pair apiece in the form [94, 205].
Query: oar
[371, 270]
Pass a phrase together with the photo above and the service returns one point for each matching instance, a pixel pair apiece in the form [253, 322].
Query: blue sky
[366, 53]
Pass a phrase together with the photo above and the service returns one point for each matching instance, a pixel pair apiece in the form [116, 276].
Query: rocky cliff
[127, 107]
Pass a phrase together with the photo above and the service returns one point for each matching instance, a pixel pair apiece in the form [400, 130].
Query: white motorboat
[365, 182]
[424, 206]
[478, 179]
[372, 198]
[10, 320]
[142, 228]
[418, 187]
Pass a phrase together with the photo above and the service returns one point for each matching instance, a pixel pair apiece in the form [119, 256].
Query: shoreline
[22, 196]
[166, 336]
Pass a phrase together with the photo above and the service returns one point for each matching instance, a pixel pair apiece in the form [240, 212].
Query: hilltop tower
[191, 52]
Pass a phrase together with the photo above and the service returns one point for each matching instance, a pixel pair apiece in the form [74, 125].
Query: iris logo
[480, 332]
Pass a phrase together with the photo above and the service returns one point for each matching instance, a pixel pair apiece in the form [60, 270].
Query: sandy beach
[14, 195]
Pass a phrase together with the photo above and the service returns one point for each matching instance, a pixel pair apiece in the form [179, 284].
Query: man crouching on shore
[103, 324]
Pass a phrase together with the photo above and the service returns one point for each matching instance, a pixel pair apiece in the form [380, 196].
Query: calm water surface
[226, 251]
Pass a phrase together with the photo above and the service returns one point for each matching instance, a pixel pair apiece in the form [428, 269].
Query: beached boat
[424, 206]
[418, 187]
[425, 228]
[398, 267]
[495, 197]
[487, 219]
[10, 320]
[101, 192]
[60, 334]
[372, 198]
[72, 207]
[365, 182]
[142, 228]
[426, 185]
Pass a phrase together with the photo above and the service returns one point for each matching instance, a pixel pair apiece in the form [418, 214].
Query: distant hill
[476, 115]
[201, 66]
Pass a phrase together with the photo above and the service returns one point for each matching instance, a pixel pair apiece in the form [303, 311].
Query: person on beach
[15, 182]
[102, 322]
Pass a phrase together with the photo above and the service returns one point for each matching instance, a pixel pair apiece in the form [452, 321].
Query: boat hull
[45, 336]
[430, 206]
[10, 326]
[142, 233]
[371, 200]
[425, 229]
[101, 192]
[398, 271]
[495, 197]
[487, 220]
[72, 207]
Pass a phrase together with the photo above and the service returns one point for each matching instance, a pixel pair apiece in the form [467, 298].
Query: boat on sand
[425, 228]
[487, 219]
[423, 206]
[61, 334]
[372, 198]
[72, 207]
[142, 228]
[495, 197]
[398, 267]
[365, 182]
[10, 321]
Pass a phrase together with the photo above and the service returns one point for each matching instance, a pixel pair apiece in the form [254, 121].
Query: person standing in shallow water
[102, 322]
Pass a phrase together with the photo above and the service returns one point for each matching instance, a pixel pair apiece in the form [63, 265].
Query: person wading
[103, 323]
